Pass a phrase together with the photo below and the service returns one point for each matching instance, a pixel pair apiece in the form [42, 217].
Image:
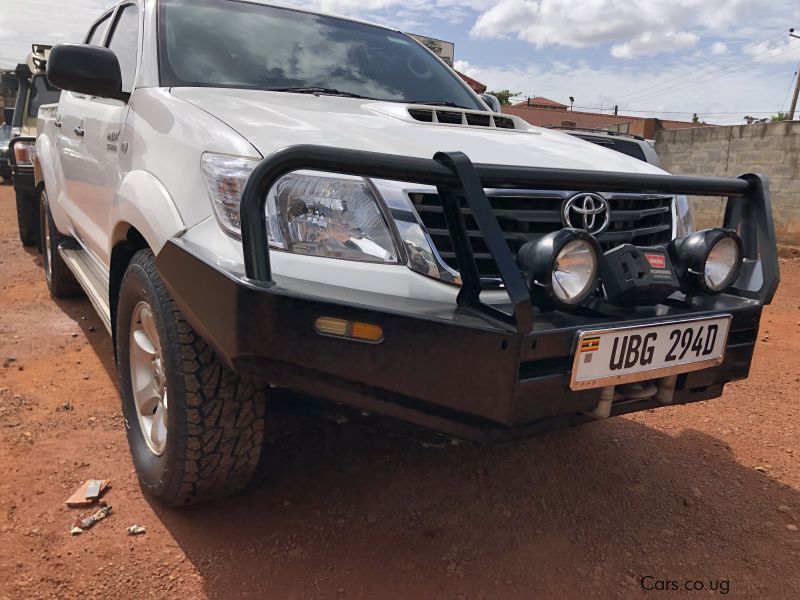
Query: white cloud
[718, 48]
[635, 27]
[44, 22]
[786, 51]
[594, 87]
[649, 43]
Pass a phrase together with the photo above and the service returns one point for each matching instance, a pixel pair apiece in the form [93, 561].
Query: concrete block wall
[772, 149]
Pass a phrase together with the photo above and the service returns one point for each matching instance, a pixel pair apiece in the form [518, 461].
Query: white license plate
[607, 357]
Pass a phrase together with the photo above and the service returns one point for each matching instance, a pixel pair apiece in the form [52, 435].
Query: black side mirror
[493, 102]
[85, 69]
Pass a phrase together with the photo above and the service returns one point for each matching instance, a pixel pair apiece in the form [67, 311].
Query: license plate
[607, 357]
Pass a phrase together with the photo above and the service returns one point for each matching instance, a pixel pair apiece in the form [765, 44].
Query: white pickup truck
[258, 197]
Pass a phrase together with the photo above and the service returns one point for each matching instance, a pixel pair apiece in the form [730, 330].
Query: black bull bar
[748, 210]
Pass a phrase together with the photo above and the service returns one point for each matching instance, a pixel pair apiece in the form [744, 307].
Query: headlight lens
[333, 217]
[317, 215]
[721, 264]
[225, 177]
[575, 268]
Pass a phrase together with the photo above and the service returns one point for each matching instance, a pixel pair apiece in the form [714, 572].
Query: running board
[91, 276]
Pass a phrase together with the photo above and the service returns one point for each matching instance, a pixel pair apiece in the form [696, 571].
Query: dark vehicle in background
[631, 145]
[34, 92]
[5, 138]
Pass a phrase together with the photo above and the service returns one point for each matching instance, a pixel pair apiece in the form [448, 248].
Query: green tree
[504, 96]
[781, 116]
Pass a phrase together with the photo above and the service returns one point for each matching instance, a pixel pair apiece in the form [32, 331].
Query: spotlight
[707, 261]
[561, 268]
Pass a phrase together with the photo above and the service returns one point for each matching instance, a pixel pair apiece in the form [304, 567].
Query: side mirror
[90, 70]
[493, 102]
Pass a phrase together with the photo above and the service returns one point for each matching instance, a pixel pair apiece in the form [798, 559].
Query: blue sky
[720, 58]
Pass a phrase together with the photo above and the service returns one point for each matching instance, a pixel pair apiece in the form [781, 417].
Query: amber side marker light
[353, 330]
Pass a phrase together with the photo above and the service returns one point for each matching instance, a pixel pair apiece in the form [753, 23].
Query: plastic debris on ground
[137, 530]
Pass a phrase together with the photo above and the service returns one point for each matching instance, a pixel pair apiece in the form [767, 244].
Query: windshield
[230, 43]
[42, 93]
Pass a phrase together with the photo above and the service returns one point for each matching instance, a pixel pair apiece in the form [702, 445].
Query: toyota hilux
[257, 197]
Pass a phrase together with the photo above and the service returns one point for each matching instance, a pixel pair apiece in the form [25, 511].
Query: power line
[709, 76]
[713, 62]
[676, 112]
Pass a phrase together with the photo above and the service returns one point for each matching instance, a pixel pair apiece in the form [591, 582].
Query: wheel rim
[47, 241]
[148, 378]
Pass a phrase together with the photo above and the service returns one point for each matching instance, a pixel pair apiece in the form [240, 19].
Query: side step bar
[92, 277]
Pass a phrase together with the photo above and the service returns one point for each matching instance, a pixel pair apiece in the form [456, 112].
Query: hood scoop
[453, 117]
[461, 117]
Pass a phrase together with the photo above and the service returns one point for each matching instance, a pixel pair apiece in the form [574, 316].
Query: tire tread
[224, 425]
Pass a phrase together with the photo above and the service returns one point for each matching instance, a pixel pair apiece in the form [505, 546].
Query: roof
[547, 117]
[476, 85]
[540, 101]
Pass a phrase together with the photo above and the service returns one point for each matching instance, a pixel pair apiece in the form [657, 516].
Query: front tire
[195, 428]
[27, 219]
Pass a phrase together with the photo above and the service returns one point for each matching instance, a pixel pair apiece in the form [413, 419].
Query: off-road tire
[215, 417]
[27, 219]
[60, 280]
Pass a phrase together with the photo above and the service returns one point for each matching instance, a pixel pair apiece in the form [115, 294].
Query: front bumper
[439, 367]
[470, 370]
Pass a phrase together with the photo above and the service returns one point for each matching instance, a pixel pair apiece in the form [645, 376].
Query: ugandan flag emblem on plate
[590, 344]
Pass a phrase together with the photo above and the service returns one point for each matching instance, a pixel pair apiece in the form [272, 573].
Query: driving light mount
[561, 268]
[707, 261]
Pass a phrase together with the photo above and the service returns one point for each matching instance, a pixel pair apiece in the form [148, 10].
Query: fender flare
[142, 202]
[45, 165]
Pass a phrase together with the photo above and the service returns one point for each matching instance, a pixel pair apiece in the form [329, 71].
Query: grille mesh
[644, 220]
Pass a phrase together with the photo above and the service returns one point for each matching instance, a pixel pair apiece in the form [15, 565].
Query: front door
[97, 137]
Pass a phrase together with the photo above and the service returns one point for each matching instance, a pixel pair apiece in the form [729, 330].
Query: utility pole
[793, 107]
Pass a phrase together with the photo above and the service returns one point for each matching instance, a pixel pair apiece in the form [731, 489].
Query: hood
[274, 120]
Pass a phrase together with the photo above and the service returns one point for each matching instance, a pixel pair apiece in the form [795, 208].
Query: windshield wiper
[435, 103]
[319, 90]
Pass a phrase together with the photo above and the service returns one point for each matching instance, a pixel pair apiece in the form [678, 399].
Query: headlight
[684, 223]
[313, 214]
[561, 268]
[24, 153]
[333, 217]
[708, 261]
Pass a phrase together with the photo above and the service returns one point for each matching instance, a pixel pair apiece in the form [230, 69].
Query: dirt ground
[707, 493]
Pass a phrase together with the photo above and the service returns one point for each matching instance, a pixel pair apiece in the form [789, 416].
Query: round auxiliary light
[561, 268]
[708, 261]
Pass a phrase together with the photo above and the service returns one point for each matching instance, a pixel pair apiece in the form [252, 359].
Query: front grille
[644, 220]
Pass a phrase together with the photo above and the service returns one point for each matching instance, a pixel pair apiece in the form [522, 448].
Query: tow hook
[662, 390]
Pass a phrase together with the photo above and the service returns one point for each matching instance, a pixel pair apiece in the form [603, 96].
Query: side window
[98, 33]
[125, 44]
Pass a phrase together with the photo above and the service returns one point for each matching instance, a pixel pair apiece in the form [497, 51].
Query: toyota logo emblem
[590, 212]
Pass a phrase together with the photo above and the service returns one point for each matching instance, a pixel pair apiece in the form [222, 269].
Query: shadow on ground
[344, 510]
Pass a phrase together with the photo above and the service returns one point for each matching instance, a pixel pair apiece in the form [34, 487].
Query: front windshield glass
[230, 43]
[42, 93]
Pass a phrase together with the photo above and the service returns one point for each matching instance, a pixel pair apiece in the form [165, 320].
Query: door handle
[57, 123]
[79, 131]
